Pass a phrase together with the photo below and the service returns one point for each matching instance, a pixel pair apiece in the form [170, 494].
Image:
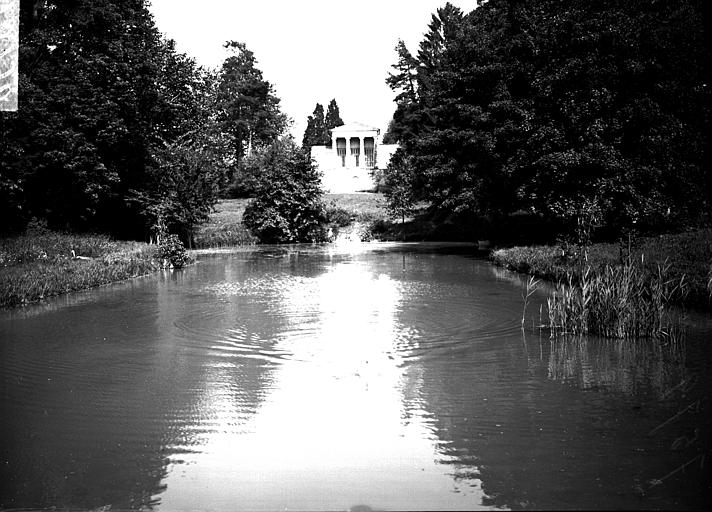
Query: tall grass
[42, 245]
[623, 301]
[687, 254]
[529, 291]
[39, 264]
[224, 228]
[223, 236]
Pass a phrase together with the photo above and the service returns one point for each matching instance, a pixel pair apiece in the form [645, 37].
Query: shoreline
[688, 255]
[41, 264]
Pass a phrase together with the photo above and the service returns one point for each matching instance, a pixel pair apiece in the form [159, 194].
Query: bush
[288, 205]
[171, 252]
[339, 217]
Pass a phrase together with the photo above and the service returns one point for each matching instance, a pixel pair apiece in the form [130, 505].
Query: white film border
[9, 44]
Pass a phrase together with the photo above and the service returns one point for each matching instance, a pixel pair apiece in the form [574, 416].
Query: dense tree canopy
[547, 105]
[247, 112]
[103, 98]
[118, 132]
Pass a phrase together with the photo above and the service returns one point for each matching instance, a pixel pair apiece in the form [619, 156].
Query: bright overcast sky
[310, 50]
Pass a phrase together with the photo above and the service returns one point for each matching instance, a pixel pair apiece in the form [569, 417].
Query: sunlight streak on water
[334, 412]
[323, 377]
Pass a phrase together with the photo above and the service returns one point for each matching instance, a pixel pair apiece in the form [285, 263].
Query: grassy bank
[685, 254]
[40, 264]
[359, 216]
[370, 221]
[361, 207]
[224, 228]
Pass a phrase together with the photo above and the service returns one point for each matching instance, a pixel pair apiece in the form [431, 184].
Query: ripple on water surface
[310, 378]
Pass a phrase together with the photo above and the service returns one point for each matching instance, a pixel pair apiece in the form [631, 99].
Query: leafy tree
[537, 105]
[319, 126]
[103, 97]
[288, 205]
[400, 186]
[93, 103]
[184, 186]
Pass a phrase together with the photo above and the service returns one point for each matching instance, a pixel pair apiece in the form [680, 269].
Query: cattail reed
[617, 302]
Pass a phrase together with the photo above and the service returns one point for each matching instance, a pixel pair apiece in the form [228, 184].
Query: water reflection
[333, 429]
[633, 367]
[381, 376]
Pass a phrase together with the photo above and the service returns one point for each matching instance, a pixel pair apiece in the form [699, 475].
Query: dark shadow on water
[561, 424]
[101, 397]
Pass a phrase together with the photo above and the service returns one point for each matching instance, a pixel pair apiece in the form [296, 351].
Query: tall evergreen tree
[332, 120]
[315, 133]
[248, 108]
[404, 82]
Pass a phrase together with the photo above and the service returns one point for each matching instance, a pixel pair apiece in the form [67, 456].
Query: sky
[310, 50]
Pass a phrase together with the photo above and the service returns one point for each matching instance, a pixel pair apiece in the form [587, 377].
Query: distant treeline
[589, 113]
[117, 131]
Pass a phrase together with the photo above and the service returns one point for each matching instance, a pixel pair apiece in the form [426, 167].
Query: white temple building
[356, 151]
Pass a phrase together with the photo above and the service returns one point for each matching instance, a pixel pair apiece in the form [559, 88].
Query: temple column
[362, 153]
[351, 157]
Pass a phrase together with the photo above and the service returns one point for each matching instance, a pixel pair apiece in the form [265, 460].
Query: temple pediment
[355, 127]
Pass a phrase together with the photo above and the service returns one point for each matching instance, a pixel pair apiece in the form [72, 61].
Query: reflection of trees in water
[100, 397]
[626, 366]
[506, 424]
[659, 371]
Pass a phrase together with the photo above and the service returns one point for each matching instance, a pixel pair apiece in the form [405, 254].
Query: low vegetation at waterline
[622, 301]
[43, 263]
[687, 254]
[224, 227]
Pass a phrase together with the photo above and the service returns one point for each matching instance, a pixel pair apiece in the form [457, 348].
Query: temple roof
[354, 127]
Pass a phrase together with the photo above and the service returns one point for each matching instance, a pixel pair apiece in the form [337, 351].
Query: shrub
[172, 253]
[288, 206]
[339, 217]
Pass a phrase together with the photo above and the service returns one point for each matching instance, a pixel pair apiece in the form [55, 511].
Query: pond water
[374, 376]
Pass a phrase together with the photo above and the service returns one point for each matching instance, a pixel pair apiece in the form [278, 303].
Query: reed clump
[688, 254]
[618, 301]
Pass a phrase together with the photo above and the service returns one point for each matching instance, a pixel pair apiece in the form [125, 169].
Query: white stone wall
[337, 179]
